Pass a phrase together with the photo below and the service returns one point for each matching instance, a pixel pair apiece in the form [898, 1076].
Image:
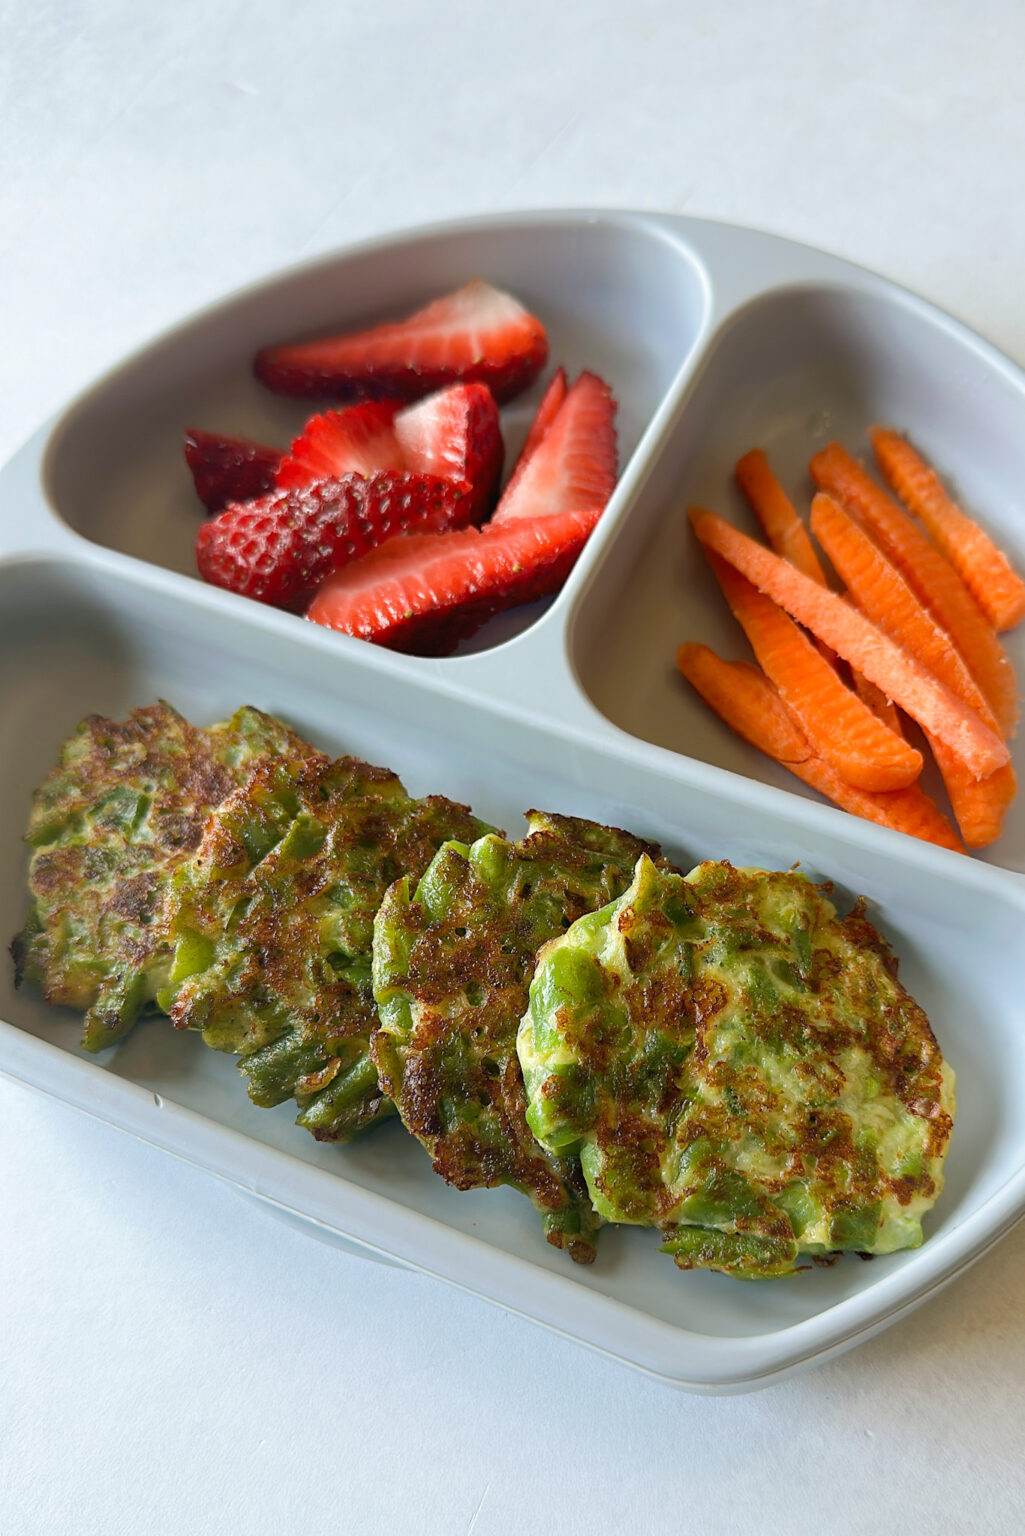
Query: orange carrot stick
[840, 728]
[931, 577]
[901, 677]
[781, 525]
[877, 701]
[979, 805]
[750, 705]
[775, 511]
[742, 695]
[788, 536]
[984, 569]
[882, 593]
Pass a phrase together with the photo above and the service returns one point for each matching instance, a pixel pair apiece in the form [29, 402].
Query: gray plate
[713, 339]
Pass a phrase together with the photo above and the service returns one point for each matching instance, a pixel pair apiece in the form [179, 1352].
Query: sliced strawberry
[575, 463]
[357, 440]
[280, 548]
[477, 334]
[426, 592]
[229, 469]
[547, 411]
[456, 433]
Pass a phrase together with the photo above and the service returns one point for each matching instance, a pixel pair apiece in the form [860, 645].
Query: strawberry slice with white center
[358, 440]
[574, 465]
[476, 335]
[455, 433]
[551, 401]
[427, 591]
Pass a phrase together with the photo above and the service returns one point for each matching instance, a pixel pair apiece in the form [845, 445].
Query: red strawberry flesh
[426, 592]
[227, 469]
[551, 402]
[547, 411]
[280, 548]
[455, 433]
[575, 463]
[356, 440]
[477, 334]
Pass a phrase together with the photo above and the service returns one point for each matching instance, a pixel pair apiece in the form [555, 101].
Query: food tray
[713, 338]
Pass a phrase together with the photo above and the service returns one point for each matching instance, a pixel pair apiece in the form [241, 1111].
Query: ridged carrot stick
[985, 570]
[775, 511]
[742, 695]
[788, 536]
[877, 701]
[840, 728]
[980, 805]
[781, 525]
[885, 597]
[749, 704]
[931, 577]
[901, 677]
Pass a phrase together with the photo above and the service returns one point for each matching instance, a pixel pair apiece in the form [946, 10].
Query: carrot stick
[882, 593]
[775, 511]
[781, 525]
[979, 805]
[840, 728]
[742, 695]
[788, 536]
[877, 701]
[931, 577]
[750, 705]
[901, 677]
[984, 569]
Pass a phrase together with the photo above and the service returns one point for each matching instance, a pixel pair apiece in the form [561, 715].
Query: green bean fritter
[124, 806]
[452, 964]
[739, 1067]
[273, 924]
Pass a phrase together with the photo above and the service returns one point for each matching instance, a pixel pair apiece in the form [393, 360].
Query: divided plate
[714, 339]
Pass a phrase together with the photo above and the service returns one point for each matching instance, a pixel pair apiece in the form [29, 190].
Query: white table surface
[172, 1359]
